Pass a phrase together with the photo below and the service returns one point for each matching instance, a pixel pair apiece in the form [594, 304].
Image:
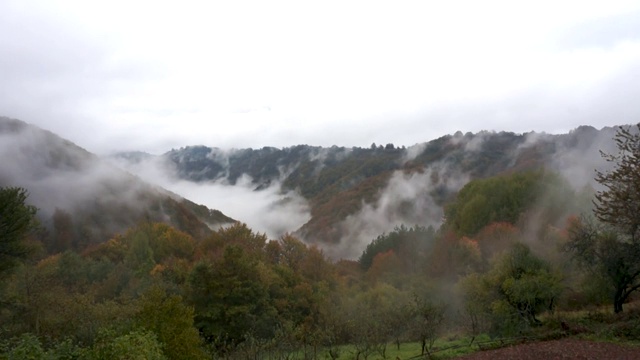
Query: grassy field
[443, 349]
[596, 324]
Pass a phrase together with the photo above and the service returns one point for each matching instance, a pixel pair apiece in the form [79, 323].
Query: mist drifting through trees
[368, 250]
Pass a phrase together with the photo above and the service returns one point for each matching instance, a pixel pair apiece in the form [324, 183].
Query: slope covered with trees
[162, 290]
[83, 200]
[341, 183]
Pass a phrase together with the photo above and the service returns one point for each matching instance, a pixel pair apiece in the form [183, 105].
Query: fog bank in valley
[407, 199]
[266, 209]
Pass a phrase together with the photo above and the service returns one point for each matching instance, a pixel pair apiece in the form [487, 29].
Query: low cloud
[578, 162]
[59, 175]
[407, 199]
[412, 152]
[269, 210]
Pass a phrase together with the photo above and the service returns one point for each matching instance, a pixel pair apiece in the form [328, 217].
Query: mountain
[83, 199]
[355, 194]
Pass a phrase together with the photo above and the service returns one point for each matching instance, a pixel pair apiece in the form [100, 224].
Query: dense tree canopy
[156, 292]
[407, 243]
[515, 290]
[16, 220]
[507, 198]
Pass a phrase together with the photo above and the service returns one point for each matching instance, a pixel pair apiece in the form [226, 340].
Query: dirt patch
[559, 349]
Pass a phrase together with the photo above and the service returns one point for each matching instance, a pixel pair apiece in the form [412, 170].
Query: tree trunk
[618, 300]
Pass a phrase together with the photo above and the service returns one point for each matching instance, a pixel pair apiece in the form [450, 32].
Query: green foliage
[139, 256]
[516, 289]
[238, 234]
[74, 271]
[426, 320]
[619, 203]
[497, 199]
[168, 242]
[61, 297]
[374, 318]
[230, 299]
[26, 347]
[613, 249]
[172, 322]
[608, 253]
[16, 220]
[67, 350]
[410, 244]
[134, 345]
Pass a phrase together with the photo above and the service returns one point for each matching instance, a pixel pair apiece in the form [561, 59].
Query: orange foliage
[572, 222]
[453, 256]
[470, 244]
[496, 237]
[315, 266]
[114, 250]
[384, 263]
[349, 272]
[440, 256]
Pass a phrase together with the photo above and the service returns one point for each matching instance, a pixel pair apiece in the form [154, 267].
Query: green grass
[444, 348]
[599, 324]
[595, 324]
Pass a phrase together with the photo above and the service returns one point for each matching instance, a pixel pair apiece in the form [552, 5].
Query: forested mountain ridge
[353, 194]
[492, 269]
[84, 200]
[312, 169]
[351, 190]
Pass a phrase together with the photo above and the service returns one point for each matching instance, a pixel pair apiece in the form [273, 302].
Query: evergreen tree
[16, 220]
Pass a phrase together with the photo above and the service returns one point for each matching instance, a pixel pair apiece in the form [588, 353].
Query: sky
[155, 75]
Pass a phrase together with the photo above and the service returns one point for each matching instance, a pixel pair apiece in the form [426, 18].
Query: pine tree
[16, 220]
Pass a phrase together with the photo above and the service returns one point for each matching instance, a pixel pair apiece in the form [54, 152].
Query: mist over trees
[351, 195]
[157, 291]
[82, 199]
[164, 287]
[610, 245]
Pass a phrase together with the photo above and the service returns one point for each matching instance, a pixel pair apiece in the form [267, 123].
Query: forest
[515, 253]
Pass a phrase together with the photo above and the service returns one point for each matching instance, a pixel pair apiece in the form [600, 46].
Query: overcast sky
[153, 75]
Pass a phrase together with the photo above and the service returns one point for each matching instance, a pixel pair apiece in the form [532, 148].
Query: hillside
[493, 273]
[84, 200]
[354, 194]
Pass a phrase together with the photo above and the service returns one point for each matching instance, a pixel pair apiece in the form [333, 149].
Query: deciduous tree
[231, 302]
[516, 289]
[602, 250]
[614, 249]
[618, 204]
[172, 322]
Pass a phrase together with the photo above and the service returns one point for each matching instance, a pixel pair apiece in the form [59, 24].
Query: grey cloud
[65, 79]
[413, 151]
[604, 32]
[52, 74]
[407, 199]
[578, 162]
